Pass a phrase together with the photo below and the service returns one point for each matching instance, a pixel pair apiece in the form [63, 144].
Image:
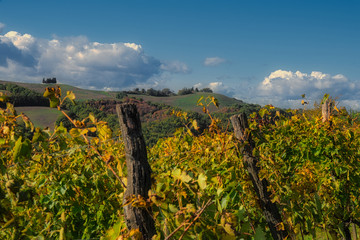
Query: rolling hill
[151, 107]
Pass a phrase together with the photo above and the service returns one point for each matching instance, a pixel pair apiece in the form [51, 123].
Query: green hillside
[189, 102]
[81, 94]
[186, 102]
[154, 110]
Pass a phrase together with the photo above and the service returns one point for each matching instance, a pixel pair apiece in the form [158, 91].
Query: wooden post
[270, 210]
[138, 170]
[326, 107]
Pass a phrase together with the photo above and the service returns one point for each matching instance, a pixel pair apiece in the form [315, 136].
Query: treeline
[186, 91]
[20, 96]
[154, 128]
[81, 110]
[166, 92]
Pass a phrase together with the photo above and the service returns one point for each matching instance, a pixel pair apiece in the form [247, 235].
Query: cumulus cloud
[14, 49]
[217, 87]
[284, 88]
[175, 67]
[213, 61]
[80, 62]
[2, 26]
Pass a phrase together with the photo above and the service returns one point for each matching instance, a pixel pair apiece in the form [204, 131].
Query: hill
[185, 102]
[155, 111]
[189, 102]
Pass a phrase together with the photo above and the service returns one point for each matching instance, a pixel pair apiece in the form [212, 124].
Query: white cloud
[22, 42]
[284, 88]
[217, 87]
[213, 61]
[175, 67]
[2, 26]
[134, 46]
[80, 62]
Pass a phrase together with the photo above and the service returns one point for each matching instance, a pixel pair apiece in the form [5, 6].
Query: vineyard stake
[138, 171]
[326, 108]
[270, 210]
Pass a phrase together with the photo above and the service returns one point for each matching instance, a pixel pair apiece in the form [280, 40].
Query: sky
[259, 51]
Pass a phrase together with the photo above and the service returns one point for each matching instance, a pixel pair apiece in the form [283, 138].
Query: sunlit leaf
[202, 181]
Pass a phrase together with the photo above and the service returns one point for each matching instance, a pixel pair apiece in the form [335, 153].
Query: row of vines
[70, 184]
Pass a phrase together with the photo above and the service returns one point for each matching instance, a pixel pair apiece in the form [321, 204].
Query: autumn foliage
[68, 185]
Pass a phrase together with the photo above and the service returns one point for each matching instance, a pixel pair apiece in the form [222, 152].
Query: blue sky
[257, 51]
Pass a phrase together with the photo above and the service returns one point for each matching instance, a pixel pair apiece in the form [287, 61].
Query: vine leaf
[202, 181]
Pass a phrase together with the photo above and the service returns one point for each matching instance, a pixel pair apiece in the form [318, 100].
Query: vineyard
[72, 184]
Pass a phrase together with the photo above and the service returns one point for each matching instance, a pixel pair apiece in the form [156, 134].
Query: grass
[41, 116]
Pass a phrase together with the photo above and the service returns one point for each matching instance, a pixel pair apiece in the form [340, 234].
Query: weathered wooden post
[270, 210]
[326, 108]
[138, 170]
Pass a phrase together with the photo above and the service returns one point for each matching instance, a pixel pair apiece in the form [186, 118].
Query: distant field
[41, 116]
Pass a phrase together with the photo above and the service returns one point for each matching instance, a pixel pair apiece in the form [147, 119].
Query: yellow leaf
[195, 125]
[280, 226]
[229, 229]
[70, 95]
[202, 180]
[185, 177]
[204, 109]
[135, 233]
[92, 118]
[3, 97]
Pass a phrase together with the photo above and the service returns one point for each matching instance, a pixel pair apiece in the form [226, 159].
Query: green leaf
[104, 131]
[22, 149]
[75, 132]
[225, 201]
[53, 95]
[259, 235]
[61, 129]
[263, 112]
[202, 181]
[173, 208]
[54, 102]
[229, 229]
[181, 175]
[326, 97]
[3, 97]
[176, 173]
[114, 232]
[70, 95]
[185, 177]
[318, 204]
[92, 118]
[241, 213]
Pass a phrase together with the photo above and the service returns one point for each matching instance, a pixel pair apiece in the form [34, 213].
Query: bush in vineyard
[57, 185]
[67, 185]
[312, 167]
